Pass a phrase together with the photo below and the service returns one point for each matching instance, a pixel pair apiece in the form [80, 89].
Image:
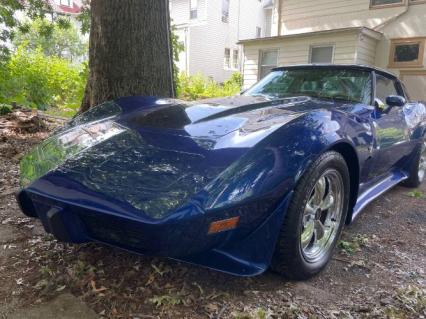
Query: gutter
[364, 30]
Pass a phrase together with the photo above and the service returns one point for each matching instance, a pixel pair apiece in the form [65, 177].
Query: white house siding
[179, 12]
[296, 50]
[207, 37]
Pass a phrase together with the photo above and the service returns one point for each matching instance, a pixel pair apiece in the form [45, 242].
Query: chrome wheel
[322, 216]
[422, 163]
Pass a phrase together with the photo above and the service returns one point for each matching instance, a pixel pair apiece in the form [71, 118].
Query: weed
[416, 194]
[166, 300]
[353, 246]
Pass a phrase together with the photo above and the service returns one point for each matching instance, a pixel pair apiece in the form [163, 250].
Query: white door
[416, 85]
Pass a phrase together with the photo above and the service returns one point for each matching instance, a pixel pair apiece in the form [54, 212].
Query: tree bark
[129, 51]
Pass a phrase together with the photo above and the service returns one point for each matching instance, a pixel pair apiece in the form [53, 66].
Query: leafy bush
[5, 109]
[32, 79]
[200, 87]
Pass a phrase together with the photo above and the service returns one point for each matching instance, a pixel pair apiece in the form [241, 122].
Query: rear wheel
[417, 173]
[314, 219]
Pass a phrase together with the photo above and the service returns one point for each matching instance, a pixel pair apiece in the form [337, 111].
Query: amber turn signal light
[223, 225]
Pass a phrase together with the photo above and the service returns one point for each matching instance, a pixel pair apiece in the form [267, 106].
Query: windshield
[337, 84]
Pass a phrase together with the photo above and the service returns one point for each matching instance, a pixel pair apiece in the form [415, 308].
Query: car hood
[153, 157]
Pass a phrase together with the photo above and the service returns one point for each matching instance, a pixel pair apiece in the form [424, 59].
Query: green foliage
[32, 79]
[57, 40]
[417, 194]
[5, 109]
[177, 48]
[199, 87]
[33, 9]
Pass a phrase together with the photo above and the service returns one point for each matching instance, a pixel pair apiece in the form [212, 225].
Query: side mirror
[395, 100]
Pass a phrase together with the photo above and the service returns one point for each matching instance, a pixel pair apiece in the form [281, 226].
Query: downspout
[240, 47]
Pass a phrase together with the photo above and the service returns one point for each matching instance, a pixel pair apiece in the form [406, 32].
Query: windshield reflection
[349, 85]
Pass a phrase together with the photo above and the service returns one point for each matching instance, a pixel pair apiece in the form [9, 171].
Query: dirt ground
[379, 270]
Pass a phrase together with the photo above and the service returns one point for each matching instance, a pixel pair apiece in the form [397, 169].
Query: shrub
[32, 79]
[200, 87]
[5, 109]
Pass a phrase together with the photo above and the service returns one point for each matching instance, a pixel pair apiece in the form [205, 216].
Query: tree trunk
[130, 50]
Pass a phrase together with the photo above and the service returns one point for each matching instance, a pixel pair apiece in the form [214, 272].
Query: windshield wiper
[337, 98]
[268, 97]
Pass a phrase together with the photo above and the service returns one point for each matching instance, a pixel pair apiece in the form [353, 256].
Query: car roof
[337, 66]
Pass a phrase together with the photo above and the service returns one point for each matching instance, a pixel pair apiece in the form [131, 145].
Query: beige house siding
[349, 47]
[366, 50]
[410, 25]
[300, 24]
[300, 16]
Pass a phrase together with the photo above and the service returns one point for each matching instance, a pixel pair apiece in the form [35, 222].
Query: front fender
[273, 167]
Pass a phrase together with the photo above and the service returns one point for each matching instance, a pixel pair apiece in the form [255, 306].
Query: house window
[321, 54]
[258, 32]
[67, 3]
[193, 10]
[268, 61]
[235, 57]
[225, 11]
[407, 52]
[227, 59]
[386, 3]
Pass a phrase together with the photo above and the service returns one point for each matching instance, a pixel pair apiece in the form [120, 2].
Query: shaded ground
[379, 271]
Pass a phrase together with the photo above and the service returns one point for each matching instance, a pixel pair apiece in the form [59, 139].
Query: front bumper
[244, 251]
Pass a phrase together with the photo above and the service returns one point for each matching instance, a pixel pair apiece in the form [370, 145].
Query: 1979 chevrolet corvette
[239, 184]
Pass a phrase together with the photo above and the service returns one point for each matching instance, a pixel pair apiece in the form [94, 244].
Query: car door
[391, 129]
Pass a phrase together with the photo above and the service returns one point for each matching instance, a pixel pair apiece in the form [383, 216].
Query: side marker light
[223, 225]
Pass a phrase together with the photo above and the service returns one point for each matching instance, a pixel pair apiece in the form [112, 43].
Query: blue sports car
[264, 179]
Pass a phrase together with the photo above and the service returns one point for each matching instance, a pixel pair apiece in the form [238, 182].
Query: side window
[384, 87]
[402, 91]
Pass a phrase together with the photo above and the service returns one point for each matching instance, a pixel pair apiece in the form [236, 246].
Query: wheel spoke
[309, 209]
[327, 202]
[307, 234]
[319, 191]
[319, 230]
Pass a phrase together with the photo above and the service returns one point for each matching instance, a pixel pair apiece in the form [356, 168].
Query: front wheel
[417, 173]
[314, 220]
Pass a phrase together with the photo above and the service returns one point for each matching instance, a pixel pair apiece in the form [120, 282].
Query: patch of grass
[353, 246]
[417, 194]
[166, 300]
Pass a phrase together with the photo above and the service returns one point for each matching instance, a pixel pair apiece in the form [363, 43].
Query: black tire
[414, 179]
[288, 259]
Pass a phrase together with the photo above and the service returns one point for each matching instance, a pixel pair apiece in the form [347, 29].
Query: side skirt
[389, 181]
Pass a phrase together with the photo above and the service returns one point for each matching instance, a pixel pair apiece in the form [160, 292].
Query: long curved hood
[151, 156]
